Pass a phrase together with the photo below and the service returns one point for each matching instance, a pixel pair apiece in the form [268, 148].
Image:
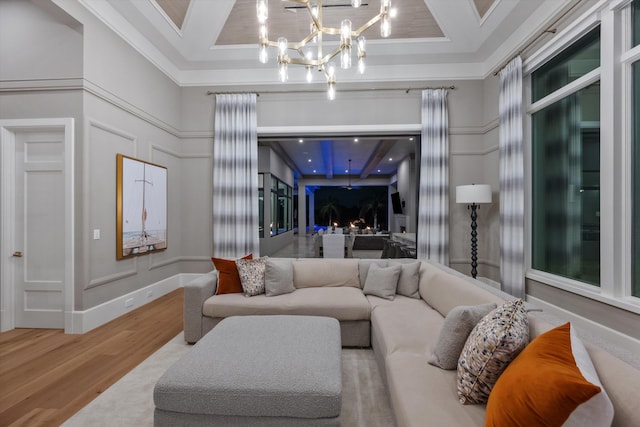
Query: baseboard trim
[618, 341]
[84, 321]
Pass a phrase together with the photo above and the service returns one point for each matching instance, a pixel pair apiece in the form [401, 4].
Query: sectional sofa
[403, 327]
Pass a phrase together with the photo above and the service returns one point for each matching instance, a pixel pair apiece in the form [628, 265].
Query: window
[635, 141]
[636, 177]
[281, 207]
[576, 61]
[565, 225]
[635, 22]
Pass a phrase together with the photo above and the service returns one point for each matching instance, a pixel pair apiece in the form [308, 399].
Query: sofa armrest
[196, 292]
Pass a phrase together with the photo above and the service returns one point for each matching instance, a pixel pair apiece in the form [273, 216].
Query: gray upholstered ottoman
[256, 371]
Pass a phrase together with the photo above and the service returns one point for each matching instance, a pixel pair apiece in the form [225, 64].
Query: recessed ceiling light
[355, 139]
[378, 170]
[411, 139]
[301, 141]
[391, 159]
[309, 160]
[314, 171]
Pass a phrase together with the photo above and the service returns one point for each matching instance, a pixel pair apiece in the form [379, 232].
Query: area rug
[129, 402]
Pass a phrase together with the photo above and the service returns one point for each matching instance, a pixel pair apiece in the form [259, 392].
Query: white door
[39, 225]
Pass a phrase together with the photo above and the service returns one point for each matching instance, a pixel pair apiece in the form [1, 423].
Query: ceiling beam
[381, 150]
[326, 147]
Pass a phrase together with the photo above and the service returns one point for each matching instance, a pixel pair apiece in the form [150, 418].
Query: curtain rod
[406, 90]
[549, 29]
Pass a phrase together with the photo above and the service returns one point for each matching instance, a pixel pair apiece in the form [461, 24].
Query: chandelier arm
[367, 25]
[317, 20]
[330, 55]
[304, 61]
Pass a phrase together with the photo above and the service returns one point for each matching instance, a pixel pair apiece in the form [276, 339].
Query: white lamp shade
[475, 193]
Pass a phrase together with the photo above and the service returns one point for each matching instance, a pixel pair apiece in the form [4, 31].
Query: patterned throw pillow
[494, 342]
[251, 272]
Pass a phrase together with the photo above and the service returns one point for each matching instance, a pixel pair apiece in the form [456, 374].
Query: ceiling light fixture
[321, 61]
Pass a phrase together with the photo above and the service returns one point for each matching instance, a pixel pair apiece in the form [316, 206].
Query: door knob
[17, 254]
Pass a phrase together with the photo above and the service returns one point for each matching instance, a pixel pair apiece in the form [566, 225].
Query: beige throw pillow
[278, 277]
[409, 280]
[382, 281]
[454, 333]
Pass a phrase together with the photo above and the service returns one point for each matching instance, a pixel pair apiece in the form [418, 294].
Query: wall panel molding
[99, 281]
[91, 123]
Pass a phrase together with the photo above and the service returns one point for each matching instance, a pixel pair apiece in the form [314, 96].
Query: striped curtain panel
[433, 201]
[511, 175]
[235, 177]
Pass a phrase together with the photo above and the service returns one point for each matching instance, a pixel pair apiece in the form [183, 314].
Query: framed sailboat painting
[141, 207]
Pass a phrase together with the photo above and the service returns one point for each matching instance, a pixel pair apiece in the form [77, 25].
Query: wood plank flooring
[47, 376]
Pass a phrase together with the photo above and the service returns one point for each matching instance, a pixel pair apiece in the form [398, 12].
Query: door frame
[8, 129]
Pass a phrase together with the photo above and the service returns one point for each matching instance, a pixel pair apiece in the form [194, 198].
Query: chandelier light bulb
[385, 27]
[282, 71]
[263, 56]
[345, 58]
[345, 44]
[312, 25]
[262, 8]
[362, 44]
[282, 45]
[331, 92]
[331, 70]
[361, 65]
[345, 30]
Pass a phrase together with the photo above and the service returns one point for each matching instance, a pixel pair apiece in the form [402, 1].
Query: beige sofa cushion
[444, 291]
[312, 273]
[405, 324]
[344, 303]
[422, 394]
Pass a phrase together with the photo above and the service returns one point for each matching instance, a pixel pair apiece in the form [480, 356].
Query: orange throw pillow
[552, 381]
[228, 277]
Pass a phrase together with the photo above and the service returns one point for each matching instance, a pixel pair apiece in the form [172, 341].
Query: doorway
[36, 223]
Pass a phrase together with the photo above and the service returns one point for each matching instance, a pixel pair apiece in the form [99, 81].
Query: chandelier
[303, 51]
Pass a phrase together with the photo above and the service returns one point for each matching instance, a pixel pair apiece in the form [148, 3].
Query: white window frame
[614, 75]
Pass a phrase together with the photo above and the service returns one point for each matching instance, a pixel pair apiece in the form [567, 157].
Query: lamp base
[474, 240]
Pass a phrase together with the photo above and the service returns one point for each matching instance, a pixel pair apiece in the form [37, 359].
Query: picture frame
[141, 207]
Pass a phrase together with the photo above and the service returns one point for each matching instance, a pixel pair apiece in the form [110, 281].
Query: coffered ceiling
[214, 42]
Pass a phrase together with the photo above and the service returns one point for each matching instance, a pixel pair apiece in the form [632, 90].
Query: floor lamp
[473, 195]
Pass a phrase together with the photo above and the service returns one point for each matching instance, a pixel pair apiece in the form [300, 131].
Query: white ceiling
[213, 43]
[431, 39]
[329, 157]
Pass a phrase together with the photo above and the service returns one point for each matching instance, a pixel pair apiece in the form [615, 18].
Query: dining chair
[333, 245]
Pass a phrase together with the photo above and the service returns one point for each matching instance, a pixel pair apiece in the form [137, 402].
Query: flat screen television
[395, 201]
